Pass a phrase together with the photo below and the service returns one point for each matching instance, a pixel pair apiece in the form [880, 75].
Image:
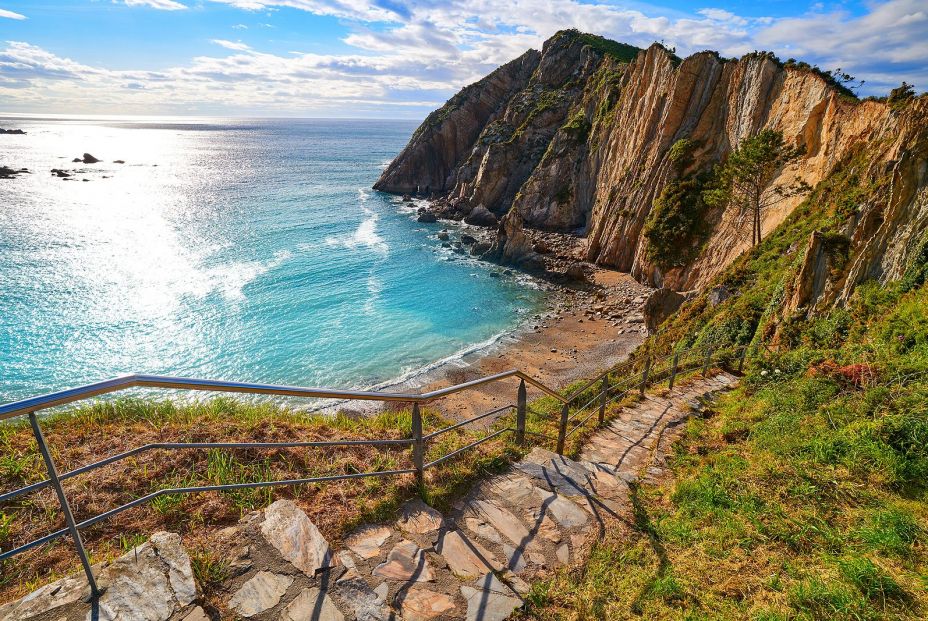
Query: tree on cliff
[744, 179]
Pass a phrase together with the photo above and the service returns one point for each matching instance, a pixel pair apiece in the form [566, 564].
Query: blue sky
[392, 58]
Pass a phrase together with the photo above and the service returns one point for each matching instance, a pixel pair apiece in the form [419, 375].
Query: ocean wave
[374, 287]
[366, 234]
[232, 278]
[456, 359]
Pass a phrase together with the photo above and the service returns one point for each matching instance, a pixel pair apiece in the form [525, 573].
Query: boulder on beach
[63, 174]
[17, 132]
[575, 271]
[443, 235]
[468, 239]
[427, 216]
[481, 216]
[659, 306]
[88, 159]
[119, 161]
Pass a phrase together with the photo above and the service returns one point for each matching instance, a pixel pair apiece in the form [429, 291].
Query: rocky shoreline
[555, 257]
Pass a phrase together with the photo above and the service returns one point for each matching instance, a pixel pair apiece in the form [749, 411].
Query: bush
[676, 224]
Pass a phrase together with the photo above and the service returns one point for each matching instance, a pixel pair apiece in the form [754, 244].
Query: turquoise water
[251, 251]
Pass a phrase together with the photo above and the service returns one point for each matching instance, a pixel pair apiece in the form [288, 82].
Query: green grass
[803, 494]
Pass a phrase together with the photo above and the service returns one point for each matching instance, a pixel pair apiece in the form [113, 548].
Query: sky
[393, 58]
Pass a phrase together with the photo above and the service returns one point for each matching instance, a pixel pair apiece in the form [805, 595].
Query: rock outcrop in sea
[586, 135]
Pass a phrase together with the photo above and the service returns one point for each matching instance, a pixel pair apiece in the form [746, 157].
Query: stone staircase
[475, 563]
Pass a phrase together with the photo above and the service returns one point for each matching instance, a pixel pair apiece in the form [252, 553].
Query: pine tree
[744, 179]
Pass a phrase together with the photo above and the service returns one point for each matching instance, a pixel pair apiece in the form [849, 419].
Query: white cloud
[240, 27]
[164, 5]
[11, 14]
[232, 45]
[412, 55]
[348, 9]
[887, 45]
[721, 15]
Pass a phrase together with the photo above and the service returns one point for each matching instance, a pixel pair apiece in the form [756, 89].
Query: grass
[803, 494]
[84, 434]
[817, 510]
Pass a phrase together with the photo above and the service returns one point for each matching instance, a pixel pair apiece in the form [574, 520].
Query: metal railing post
[520, 413]
[95, 591]
[705, 364]
[744, 354]
[562, 429]
[418, 447]
[673, 369]
[644, 376]
[603, 396]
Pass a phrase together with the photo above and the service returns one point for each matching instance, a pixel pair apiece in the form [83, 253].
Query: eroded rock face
[581, 142]
[447, 135]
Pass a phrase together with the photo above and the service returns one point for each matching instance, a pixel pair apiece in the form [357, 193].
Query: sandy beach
[583, 331]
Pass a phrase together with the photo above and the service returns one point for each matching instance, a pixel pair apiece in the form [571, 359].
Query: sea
[245, 250]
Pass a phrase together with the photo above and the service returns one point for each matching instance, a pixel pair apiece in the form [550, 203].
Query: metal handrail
[124, 382]
[418, 440]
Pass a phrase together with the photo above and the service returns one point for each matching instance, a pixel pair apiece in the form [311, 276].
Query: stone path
[476, 563]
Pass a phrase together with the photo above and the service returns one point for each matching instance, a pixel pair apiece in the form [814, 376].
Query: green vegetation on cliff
[802, 494]
[676, 225]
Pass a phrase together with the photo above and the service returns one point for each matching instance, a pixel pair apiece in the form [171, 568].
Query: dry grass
[87, 434]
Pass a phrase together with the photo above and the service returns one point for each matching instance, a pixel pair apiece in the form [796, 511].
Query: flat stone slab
[312, 605]
[482, 529]
[546, 526]
[406, 562]
[505, 522]
[367, 541]
[551, 479]
[566, 513]
[466, 557]
[513, 587]
[196, 614]
[423, 605]
[296, 538]
[366, 603]
[149, 583]
[516, 489]
[416, 517]
[262, 592]
[488, 605]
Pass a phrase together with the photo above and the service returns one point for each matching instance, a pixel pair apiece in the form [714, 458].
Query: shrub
[676, 226]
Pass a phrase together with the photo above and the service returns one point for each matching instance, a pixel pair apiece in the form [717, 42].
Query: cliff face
[439, 146]
[579, 138]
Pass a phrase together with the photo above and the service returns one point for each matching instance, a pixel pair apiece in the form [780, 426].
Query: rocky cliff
[587, 135]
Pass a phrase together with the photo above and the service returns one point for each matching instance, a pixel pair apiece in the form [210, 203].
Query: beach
[583, 331]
